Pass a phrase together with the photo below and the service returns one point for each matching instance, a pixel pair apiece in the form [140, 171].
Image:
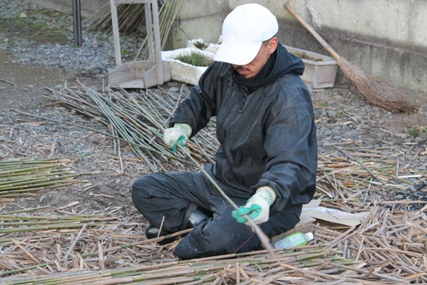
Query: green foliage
[195, 59]
[416, 131]
[124, 53]
[31, 25]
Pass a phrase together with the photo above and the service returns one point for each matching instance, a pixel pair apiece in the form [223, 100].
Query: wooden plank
[157, 43]
[148, 24]
[115, 33]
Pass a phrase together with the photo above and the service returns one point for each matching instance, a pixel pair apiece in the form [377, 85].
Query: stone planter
[320, 70]
[184, 72]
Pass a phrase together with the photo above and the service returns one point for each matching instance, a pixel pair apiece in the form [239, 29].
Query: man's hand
[258, 206]
[179, 133]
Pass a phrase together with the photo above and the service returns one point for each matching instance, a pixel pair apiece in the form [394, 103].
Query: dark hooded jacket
[264, 125]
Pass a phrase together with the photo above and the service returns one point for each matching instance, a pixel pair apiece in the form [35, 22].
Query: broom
[371, 88]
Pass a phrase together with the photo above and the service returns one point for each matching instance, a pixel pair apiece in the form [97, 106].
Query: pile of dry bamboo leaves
[389, 247]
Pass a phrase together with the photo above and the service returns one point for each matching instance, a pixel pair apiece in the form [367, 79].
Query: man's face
[252, 68]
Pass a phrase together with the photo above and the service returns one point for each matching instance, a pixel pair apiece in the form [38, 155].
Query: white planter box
[184, 72]
[319, 72]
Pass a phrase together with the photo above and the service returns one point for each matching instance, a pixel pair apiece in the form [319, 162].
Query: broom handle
[314, 33]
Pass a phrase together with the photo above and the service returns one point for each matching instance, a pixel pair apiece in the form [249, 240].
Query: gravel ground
[57, 49]
[31, 61]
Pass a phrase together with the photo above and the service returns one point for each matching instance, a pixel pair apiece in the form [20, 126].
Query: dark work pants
[169, 195]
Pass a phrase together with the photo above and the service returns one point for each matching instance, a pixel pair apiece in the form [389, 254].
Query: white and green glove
[179, 133]
[257, 208]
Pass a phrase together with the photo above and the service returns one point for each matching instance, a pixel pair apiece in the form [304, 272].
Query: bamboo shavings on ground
[21, 178]
[357, 176]
[393, 244]
[40, 248]
[37, 242]
[68, 257]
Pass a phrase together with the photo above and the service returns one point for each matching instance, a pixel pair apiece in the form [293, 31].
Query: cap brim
[236, 54]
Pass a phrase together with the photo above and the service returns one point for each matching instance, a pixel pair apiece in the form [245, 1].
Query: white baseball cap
[243, 32]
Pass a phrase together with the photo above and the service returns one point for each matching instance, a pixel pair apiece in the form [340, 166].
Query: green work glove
[179, 133]
[257, 208]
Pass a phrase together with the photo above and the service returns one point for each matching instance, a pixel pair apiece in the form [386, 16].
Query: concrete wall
[198, 19]
[386, 38]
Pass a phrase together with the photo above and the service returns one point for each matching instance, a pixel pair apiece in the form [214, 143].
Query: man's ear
[272, 45]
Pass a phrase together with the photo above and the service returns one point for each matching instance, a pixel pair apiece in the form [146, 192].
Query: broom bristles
[376, 91]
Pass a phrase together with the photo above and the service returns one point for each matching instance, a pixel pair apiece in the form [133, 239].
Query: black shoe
[153, 232]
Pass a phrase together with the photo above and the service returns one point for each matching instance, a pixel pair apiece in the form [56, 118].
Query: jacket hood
[281, 62]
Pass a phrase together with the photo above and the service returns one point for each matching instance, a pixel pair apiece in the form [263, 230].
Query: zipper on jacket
[230, 77]
[245, 93]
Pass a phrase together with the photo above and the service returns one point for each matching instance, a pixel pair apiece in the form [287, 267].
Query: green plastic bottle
[293, 240]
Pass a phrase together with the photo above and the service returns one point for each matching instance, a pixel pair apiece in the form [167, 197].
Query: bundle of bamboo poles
[139, 120]
[167, 15]
[21, 178]
[131, 17]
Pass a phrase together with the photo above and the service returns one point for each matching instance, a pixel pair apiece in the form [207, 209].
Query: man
[267, 158]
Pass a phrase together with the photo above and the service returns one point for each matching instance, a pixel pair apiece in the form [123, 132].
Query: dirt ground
[23, 89]
[107, 188]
